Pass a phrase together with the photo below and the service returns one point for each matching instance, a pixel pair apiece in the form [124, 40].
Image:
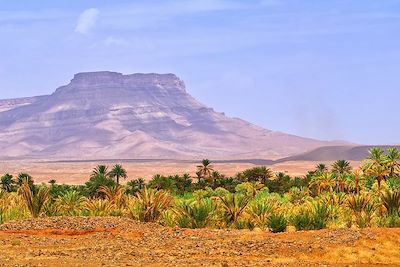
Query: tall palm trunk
[357, 185]
[379, 183]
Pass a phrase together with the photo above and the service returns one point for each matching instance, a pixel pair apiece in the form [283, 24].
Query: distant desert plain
[78, 172]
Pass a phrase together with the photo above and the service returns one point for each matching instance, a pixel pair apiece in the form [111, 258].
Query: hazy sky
[322, 69]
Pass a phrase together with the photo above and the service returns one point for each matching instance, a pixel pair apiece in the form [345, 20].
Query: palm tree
[115, 195]
[160, 182]
[233, 206]
[205, 169]
[215, 176]
[100, 170]
[99, 177]
[391, 202]
[262, 174]
[341, 168]
[152, 203]
[22, 177]
[357, 175]
[379, 172]
[118, 172]
[321, 168]
[70, 203]
[322, 181]
[377, 165]
[134, 186]
[140, 183]
[7, 182]
[34, 201]
[327, 181]
[183, 183]
[393, 160]
[265, 174]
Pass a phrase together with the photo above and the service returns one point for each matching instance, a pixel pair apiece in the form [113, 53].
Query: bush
[260, 211]
[151, 204]
[34, 201]
[277, 223]
[391, 220]
[98, 207]
[70, 203]
[303, 221]
[195, 214]
[315, 217]
[391, 202]
[363, 209]
[321, 212]
[233, 206]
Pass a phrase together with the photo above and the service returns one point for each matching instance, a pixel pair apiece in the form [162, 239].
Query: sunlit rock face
[110, 115]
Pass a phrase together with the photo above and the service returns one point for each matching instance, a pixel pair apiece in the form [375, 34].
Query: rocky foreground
[123, 242]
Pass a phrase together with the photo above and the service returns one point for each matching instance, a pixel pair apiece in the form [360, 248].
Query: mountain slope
[331, 153]
[110, 115]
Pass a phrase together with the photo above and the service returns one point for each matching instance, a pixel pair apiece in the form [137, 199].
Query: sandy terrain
[123, 242]
[78, 172]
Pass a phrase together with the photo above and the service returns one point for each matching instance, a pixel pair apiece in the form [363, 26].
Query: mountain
[332, 153]
[110, 115]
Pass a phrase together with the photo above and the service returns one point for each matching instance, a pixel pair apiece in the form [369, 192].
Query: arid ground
[124, 242]
[76, 172]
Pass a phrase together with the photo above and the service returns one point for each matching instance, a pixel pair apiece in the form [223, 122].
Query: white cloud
[87, 20]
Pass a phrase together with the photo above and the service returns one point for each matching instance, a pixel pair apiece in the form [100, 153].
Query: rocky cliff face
[111, 115]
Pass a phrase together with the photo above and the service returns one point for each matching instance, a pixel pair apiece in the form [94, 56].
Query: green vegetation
[335, 196]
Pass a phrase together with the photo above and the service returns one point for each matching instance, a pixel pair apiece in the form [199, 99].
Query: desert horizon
[78, 172]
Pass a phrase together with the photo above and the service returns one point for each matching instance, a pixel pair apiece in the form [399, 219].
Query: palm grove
[328, 196]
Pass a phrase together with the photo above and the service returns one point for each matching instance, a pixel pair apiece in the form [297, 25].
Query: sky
[322, 69]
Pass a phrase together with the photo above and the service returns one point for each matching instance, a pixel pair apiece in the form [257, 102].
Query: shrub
[151, 204]
[363, 209]
[249, 188]
[259, 212]
[298, 195]
[195, 214]
[70, 203]
[98, 207]
[390, 220]
[233, 206]
[97, 181]
[303, 221]
[244, 224]
[114, 194]
[391, 202]
[314, 217]
[34, 201]
[277, 223]
[220, 192]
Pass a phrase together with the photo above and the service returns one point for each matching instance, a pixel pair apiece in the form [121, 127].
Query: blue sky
[321, 69]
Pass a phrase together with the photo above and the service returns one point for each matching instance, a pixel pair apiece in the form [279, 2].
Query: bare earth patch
[124, 242]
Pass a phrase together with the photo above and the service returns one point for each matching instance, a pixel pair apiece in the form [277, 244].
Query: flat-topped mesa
[136, 79]
[99, 77]
[105, 79]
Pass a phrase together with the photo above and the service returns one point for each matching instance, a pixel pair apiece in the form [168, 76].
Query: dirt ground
[124, 242]
[79, 172]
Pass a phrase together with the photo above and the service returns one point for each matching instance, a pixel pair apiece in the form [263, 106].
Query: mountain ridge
[111, 115]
